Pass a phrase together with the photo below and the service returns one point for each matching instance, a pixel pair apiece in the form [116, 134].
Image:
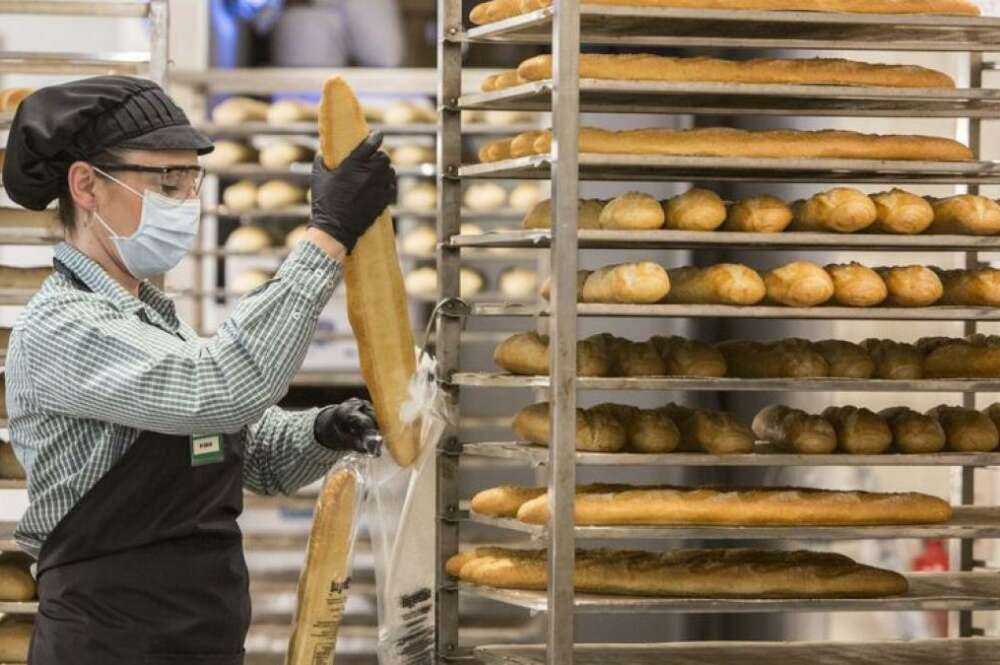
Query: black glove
[348, 199]
[349, 426]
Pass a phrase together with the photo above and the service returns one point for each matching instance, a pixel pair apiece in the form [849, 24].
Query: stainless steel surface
[616, 96]
[744, 169]
[967, 522]
[928, 591]
[764, 455]
[119, 8]
[20, 62]
[656, 26]
[11, 607]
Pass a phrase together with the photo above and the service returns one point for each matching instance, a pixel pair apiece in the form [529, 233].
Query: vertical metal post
[159, 47]
[562, 329]
[449, 158]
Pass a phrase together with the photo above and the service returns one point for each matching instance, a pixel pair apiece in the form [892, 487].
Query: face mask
[167, 229]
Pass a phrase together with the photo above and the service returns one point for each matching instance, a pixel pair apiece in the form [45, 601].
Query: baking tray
[928, 591]
[710, 98]
[765, 455]
[967, 522]
[743, 169]
[21, 62]
[662, 26]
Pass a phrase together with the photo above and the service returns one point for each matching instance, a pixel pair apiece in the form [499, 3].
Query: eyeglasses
[175, 182]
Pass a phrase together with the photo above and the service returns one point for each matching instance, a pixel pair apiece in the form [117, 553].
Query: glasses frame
[162, 170]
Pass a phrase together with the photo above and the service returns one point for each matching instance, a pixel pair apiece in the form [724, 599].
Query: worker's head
[121, 160]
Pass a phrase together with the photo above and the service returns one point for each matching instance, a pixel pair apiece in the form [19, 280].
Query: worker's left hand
[349, 426]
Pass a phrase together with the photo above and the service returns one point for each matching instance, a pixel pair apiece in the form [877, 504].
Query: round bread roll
[281, 155]
[894, 360]
[15, 639]
[901, 212]
[248, 239]
[412, 154]
[422, 196]
[288, 111]
[912, 432]
[421, 241]
[275, 194]
[966, 430]
[695, 210]
[248, 280]
[240, 196]
[911, 286]
[859, 431]
[588, 215]
[239, 110]
[228, 153]
[845, 359]
[758, 214]
[841, 210]
[966, 214]
[518, 283]
[798, 284]
[855, 285]
[296, 235]
[643, 282]
[484, 196]
[10, 468]
[524, 196]
[423, 282]
[721, 284]
[407, 113]
[632, 211]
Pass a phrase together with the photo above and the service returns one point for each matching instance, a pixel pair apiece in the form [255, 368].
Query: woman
[138, 436]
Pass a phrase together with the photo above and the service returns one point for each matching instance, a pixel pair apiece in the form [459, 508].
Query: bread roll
[518, 283]
[859, 431]
[894, 360]
[423, 282]
[961, 359]
[15, 639]
[795, 431]
[651, 431]
[798, 284]
[422, 196]
[248, 239]
[228, 153]
[288, 111]
[296, 235]
[276, 194]
[787, 359]
[523, 144]
[241, 196]
[581, 279]
[709, 431]
[627, 283]
[239, 110]
[281, 155]
[11, 98]
[913, 432]
[841, 210]
[855, 285]
[911, 286]
[524, 196]
[528, 353]
[632, 211]
[971, 288]
[846, 360]
[505, 79]
[10, 467]
[412, 154]
[721, 284]
[16, 583]
[901, 212]
[597, 431]
[419, 241]
[588, 215]
[630, 358]
[690, 357]
[966, 430]
[966, 214]
[758, 214]
[695, 210]
[495, 151]
[484, 196]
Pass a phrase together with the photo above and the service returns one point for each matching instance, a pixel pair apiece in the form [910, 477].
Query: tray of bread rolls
[939, 313]
[312, 129]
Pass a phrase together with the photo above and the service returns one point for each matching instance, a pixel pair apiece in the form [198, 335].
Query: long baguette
[947, 7]
[795, 431]
[376, 300]
[721, 284]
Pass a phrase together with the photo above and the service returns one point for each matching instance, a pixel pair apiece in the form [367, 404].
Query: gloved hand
[348, 199]
[349, 426]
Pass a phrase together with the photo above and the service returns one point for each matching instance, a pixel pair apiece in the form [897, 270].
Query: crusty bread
[758, 214]
[795, 431]
[913, 432]
[715, 432]
[496, 151]
[597, 431]
[966, 430]
[901, 212]
[777, 360]
[15, 639]
[523, 145]
[588, 214]
[855, 285]
[281, 155]
[859, 430]
[9, 466]
[846, 360]
[721, 284]
[798, 284]
[505, 500]
[228, 153]
[840, 210]
[16, 583]
[630, 358]
[240, 196]
[528, 353]
[966, 214]
[895, 360]
[962, 359]
[911, 286]
[239, 110]
[979, 287]
[690, 357]
[627, 283]
[276, 194]
[695, 210]
[632, 211]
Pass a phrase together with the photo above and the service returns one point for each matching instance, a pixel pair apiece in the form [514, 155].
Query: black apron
[148, 567]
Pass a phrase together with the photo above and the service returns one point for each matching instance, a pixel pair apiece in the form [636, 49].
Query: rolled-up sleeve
[282, 454]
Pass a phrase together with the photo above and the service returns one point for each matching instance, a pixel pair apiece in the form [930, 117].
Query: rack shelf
[928, 591]
[302, 170]
[108, 8]
[654, 26]
[311, 129]
[303, 212]
[744, 169]
[17, 62]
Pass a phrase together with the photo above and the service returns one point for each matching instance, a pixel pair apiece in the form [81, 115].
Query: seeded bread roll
[597, 430]
[798, 284]
[859, 431]
[795, 431]
[966, 430]
[758, 214]
[632, 211]
[588, 214]
[979, 287]
[855, 285]
[695, 210]
[777, 360]
[895, 360]
[913, 432]
[689, 357]
[721, 284]
[702, 430]
[840, 210]
[901, 212]
[528, 354]
[846, 360]
[965, 214]
[911, 286]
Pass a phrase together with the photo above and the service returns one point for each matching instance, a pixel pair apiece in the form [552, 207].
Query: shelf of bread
[20, 62]
[748, 28]
[303, 212]
[325, 378]
[20, 608]
[927, 591]
[108, 8]
[248, 129]
[302, 170]
[918, 652]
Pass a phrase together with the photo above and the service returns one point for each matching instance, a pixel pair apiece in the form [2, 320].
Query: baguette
[845, 359]
[528, 354]
[798, 284]
[966, 214]
[859, 431]
[758, 214]
[840, 210]
[597, 505]
[779, 360]
[376, 300]
[911, 286]
[496, 151]
[523, 145]
[10, 467]
[505, 79]
[627, 283]
[597, 431]
[901, 212]
[504, 501]
[15, 639]
[811, 71]
[855, 285]
[795, 431]
[689, 357]
[913, 432]
[16, 583]
[721, 284]
[695, 210]
[961, 359]
[966, 430]
[239, 110]
[633, 211]
[588, 215]
[709, 431]
[713, 573]
[895, 360]
[972, 288]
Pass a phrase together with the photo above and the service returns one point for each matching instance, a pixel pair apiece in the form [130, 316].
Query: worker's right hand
[346, 200]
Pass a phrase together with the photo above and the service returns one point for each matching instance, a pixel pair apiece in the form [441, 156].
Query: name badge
[206, 449]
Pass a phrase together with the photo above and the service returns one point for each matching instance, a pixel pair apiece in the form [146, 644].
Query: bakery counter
[660, 26]
[927, 591]
[595, 166]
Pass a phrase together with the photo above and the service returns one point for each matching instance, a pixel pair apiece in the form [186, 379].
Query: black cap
[61, 124]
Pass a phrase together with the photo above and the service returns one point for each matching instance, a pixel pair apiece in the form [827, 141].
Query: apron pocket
[194, 658]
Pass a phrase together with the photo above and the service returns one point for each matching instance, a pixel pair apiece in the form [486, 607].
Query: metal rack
[565, 26]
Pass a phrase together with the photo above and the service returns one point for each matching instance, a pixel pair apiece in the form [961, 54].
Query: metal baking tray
[928, 591]
[118, 8]
[968, 522]
[744, 169]
[248, 129]
[502, 380]
[765, 455]
[617, 96]
[20, 62]
[662, 26]
[667, 239]
[964, 651]
[10, 607]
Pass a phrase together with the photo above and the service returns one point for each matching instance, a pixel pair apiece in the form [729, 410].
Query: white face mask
[167, 229]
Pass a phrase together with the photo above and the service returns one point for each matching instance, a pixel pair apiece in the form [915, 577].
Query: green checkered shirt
[88, 371]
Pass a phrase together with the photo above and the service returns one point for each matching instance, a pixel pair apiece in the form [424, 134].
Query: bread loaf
[979, 287]
[630, 358]
[523, 144]
[690, 357]
[966, 430]
[713, 432]
[239, 110]
[758, 214]
[651, 431]
[281, 155]
[496, 151]
[528, 353]
[11, 98]
[901, 212]
[779, 360]
[505, 79]
[15, 277]
[840, 210]
[859, 430]
[504, 501]
[798, 284]
[15, 639]
[966, 214]
[713, 573]
[721, 284]
[288, 111]
[518, 283]
[911, 286]
[632, 211]
[581, 279]
[855, 285]
[588, 213]
[845, 359]
[628, 283]
[795, 431]
[913, 432]
[894, 360]
[248, 239]
[241, 196]
[695, 210]
[227, 154]
[484, 196]
[423, 282]
[276, 194]
[295, 236]
[960, 359]
[597, 430]
[10, 467]
[16, 583]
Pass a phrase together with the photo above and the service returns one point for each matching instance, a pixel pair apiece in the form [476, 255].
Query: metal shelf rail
[564, 26]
